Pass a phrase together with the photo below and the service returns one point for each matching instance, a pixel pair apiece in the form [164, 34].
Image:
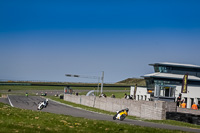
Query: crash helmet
[47, 100]
[127, 109]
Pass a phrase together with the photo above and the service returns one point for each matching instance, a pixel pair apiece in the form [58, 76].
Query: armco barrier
[144, 109]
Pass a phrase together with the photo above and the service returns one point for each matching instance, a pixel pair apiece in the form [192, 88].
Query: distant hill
[133, 81]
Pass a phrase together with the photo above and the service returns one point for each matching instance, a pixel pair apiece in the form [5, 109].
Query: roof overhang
[176, 65]
[170, 76]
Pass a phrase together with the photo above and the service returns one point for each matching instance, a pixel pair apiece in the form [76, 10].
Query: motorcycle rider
[121, 114]
[42, 104]
[46, 103]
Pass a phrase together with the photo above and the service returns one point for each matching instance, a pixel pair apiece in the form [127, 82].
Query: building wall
[193, 93]
[141, 93]
[145, 109]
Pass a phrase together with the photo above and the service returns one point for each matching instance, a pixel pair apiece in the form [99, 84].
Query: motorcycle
[42, 104]
[121, 115]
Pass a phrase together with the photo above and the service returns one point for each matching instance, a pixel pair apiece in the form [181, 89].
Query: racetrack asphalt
[31, 102]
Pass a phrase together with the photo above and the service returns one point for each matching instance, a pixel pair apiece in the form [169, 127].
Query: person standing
[178, 100]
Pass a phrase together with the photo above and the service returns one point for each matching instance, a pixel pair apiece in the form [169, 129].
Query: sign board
[184, 83]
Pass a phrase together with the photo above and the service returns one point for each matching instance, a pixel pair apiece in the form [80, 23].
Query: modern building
[166, 82]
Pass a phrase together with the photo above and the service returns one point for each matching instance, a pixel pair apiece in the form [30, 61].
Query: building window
[141, 97]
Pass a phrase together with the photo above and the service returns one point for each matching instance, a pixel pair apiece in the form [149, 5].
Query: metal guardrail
[15, 84]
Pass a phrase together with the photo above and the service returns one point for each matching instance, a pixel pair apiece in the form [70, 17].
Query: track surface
[58, 108]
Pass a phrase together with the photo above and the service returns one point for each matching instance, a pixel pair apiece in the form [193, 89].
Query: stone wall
[145, 109]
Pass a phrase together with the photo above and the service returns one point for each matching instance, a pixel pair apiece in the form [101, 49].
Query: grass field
[20, 120]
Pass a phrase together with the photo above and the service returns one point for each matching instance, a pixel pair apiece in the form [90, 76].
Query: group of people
[113, 96]
[128, 96]
[102, 95]
[182, 103]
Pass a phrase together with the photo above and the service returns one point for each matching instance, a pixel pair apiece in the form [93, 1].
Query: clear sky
[45, 39]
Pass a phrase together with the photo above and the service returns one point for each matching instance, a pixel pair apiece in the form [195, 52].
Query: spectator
[178, 100]
[113, 96]
[194, 106]
[183, 105]
[125, 95]
[102, 95]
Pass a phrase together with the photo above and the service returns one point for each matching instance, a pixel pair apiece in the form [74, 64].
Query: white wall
[141, 92]
[192, 92]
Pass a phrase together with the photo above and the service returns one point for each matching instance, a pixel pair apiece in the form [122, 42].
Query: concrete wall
[144, 109]
[189, 111]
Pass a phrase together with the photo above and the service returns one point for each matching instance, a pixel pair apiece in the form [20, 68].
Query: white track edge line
[10, 101]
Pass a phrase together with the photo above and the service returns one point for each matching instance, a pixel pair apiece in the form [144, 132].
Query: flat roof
[176, 64]
[170, 76]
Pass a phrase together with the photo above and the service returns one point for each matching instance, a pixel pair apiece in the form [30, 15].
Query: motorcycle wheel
[41, 107]
[122, 117]
[114, 117]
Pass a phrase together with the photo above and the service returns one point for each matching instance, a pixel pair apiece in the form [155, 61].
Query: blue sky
[44, 40]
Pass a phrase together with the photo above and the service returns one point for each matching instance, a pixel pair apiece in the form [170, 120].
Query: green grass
[20, 120]
[176, 123]
[170, 122]
[20, 87]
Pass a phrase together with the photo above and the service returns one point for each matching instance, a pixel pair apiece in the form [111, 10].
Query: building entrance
[165, 92]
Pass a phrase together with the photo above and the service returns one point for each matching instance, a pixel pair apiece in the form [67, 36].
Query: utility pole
[102, 81]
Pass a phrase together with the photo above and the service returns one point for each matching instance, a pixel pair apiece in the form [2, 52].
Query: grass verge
[20, 120]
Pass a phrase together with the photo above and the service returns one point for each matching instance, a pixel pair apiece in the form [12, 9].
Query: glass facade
[165, 91]
[163, 88]
[177, 70]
